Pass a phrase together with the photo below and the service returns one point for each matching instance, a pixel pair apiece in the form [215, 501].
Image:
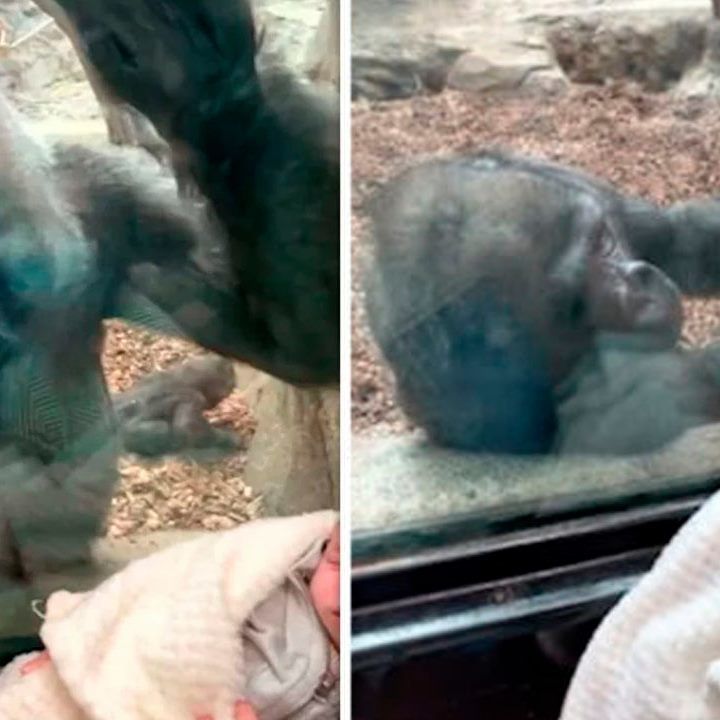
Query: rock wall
[405, 48]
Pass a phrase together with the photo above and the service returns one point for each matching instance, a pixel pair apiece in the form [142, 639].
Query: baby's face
[325, 587]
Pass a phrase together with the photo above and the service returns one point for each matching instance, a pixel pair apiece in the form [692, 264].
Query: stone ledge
[398, 481]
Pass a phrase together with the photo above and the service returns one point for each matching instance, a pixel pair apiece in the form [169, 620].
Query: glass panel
[535, 253]
[169, 307]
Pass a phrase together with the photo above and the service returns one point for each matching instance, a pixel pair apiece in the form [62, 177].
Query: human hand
[39, 661]
[241, 711]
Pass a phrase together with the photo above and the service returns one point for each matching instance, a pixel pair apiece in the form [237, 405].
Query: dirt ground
[651, 145]
[175, 493]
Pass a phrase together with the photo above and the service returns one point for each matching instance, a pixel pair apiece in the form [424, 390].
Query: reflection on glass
[169, 310]
[535, 267]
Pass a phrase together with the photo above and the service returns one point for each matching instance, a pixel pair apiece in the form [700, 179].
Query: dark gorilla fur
[88, 235]
[163, 412]
[525, 307]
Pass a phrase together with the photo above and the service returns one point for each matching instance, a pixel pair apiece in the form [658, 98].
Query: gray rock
[294, 459]
[378, 78]
[653, 51]
[594, 40]
[506, 72]
[703, 80]
[289, 27]
[322, 60]
[393, 71]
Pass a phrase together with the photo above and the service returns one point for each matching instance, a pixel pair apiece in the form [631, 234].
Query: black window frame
[432, 586]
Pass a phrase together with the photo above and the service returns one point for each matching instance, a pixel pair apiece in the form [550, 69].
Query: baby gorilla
[535, 312]
[163, 412]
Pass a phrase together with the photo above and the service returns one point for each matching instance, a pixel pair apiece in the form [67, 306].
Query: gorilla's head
[490, 282]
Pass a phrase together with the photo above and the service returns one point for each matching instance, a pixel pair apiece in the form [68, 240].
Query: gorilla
[163, 412]
[125, 125]
[525, 307]
[252, 275]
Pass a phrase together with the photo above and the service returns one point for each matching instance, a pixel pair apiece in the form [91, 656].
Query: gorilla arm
[695, 260]
[165, 266]
[263, 151]
[182, 298]
[682, 240]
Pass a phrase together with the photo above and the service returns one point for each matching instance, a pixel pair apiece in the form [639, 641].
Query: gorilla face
[599, 288]
[632, 297]
[569, 279]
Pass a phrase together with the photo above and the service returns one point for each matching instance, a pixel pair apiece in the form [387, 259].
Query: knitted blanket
[186, 633]
[656, 655]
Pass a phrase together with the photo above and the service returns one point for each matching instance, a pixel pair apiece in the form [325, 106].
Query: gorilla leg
[163, 412]
[59, 460]
[51, 514]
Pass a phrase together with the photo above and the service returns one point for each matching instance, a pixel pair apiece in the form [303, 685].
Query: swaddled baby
[232, 625]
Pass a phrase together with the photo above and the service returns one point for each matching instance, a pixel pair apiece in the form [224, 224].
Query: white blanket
[656, 656]
[184, 633]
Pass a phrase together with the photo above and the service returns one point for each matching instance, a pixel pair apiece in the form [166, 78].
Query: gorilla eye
[608, 244]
